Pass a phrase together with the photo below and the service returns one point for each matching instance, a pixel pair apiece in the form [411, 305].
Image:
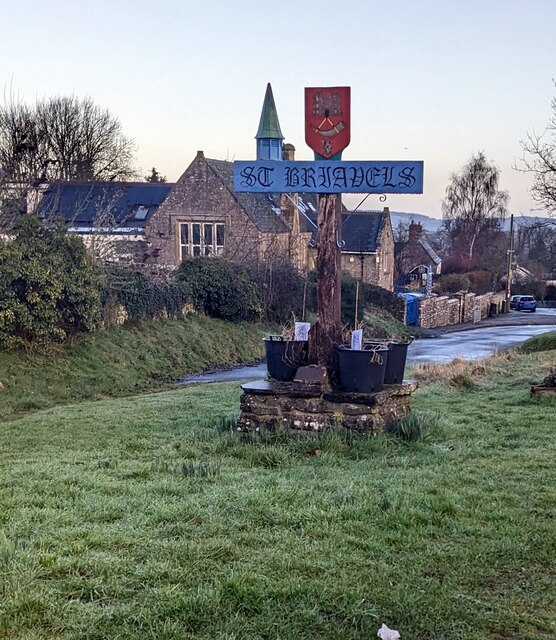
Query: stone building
[414, 258]
[203, 216]
[156, 226]
[110, 216]
[368, 253]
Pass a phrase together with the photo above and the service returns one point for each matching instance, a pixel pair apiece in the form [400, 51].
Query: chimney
[288, 152]
[415, 231]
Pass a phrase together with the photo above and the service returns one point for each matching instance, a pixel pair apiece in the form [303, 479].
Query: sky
[431, 80]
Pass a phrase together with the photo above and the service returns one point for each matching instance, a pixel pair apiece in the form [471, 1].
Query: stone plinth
[272, 405]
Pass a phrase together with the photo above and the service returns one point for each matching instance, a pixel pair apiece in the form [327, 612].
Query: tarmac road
[542, 316]
[473, 344]
[468, 342]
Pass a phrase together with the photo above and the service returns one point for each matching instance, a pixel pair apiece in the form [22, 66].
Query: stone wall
[443, 311]
[200, 196]
[279, 408]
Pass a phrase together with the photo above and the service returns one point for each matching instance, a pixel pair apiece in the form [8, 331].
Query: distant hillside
[429, 223]
[521, 221]
[433, 224]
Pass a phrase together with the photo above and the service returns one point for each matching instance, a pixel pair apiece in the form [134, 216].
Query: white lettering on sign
[328, 177]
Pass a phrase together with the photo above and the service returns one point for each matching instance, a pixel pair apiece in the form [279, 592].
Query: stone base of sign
[273, 405]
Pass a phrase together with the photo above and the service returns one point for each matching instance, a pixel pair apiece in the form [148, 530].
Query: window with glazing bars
[201, 239]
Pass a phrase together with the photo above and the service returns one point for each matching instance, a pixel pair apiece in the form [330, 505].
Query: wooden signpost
[327, 132]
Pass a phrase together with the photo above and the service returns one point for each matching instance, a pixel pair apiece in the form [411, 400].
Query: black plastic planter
[284, 357]
[395, 366]
[362, 371]
[397, 356]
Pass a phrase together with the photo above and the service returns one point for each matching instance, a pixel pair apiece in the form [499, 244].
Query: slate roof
[123, 207]
[430, 251]
[262, 208]
[361, 231]
[435, 258]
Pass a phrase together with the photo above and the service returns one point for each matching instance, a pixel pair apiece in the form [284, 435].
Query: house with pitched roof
[159, 225]
[414, 258]
[368, 251]
[203, 216]
[109, 216]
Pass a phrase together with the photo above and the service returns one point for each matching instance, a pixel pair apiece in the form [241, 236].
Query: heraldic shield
[327, 119]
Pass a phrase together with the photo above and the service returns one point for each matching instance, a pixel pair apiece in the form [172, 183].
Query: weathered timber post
[308, 402]
[327, 331]
[327, 133]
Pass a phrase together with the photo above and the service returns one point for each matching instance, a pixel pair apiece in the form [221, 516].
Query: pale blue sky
[432, 80]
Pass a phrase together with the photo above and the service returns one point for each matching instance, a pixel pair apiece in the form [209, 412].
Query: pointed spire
[269, 127]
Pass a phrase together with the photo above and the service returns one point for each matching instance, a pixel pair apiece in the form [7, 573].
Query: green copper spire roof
[269, 127]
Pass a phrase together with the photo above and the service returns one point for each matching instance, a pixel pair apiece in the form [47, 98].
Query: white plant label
[301, 331]
[357, 340]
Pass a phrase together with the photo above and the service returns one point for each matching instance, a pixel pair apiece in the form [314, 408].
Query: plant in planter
[285, 354]
[380, 328]
[397, 356]
[362, 370]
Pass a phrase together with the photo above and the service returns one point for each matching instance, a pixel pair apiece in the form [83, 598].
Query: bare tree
[63, 138]
[536, 246]
[401, 231]
[539, 159]
[473, 204]
[59, 138]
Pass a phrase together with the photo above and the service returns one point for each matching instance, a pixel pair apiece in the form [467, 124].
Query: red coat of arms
[327, 119]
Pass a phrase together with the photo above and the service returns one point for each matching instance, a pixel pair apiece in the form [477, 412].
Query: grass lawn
[146, 517]
[125, 360]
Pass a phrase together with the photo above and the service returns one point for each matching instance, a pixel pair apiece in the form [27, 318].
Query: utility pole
[510, 264]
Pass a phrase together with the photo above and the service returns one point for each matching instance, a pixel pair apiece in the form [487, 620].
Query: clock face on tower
[327, 119]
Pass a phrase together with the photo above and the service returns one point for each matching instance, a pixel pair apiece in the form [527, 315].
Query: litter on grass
[385, 633]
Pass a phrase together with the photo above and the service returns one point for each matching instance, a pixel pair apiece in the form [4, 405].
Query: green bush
[369, 295]
[49, 286]
[452, 283]
[142, 298]
[281, 290]
[220, 289]
[379, 323]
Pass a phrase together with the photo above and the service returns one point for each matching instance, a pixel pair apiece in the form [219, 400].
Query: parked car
[526, 303]
[513, 302]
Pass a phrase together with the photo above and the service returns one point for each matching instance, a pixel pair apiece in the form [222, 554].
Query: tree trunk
[472, 245]
[327, 330]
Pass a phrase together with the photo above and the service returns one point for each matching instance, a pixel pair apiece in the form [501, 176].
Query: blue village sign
[398, 176]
